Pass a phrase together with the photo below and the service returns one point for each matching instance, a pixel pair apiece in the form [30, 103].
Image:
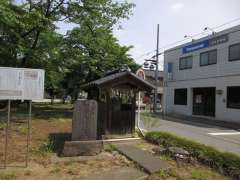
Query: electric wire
[185, 39]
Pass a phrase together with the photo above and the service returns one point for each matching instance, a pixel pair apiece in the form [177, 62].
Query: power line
[185, 39]
[201, 33]
[146, 54]
[229, 22]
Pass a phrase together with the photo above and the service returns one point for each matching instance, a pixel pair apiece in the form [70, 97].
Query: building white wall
[222, 112]
[219, 75]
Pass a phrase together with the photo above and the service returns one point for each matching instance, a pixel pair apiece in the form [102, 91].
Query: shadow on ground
[57, 141]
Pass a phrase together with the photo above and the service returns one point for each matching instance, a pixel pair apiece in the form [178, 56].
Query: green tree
[90, 54]
[28, 38]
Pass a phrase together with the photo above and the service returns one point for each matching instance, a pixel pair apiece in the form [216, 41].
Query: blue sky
[176, 18]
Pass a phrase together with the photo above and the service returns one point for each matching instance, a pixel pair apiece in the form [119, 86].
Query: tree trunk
[24, 59]
[63, 100]
[52, 99]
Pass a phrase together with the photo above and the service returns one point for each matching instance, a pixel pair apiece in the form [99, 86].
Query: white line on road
[224, 133]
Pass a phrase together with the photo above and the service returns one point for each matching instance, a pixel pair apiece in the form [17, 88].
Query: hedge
[226, 163]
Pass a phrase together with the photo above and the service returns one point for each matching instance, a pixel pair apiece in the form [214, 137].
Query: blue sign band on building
[195, 47]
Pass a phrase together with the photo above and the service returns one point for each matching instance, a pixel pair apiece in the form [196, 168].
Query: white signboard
[140, 73]
[21, 84]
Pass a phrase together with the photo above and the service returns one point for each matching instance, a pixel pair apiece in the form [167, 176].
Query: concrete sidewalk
[144, 159]
[222, 138]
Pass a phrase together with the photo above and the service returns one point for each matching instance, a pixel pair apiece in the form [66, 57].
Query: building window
[185, 63]
[208, 58]
[233, 97]
[180, 96]
[234, 52]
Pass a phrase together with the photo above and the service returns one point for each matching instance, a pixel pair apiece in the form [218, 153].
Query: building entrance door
[204, 101]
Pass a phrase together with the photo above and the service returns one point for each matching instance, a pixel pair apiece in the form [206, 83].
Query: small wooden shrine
[116, 97]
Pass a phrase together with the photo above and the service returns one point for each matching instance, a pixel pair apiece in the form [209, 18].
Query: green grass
[2, 125]
[40, 111]
[55, 170]
[163, 174]
[226, 163]
[54, 143]
[174, 174]
[150, 120]
[110, 148]
[198, 174]
[202, 173]
[165, 157]
[8, 176]
[23, 129]
[53, 112]
[46, 148]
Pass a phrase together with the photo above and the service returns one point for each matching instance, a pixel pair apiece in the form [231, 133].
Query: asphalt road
[223, 139]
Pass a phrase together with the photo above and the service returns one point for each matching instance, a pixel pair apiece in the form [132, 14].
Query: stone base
[82, 148]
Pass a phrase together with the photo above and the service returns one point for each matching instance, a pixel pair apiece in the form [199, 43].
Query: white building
[202, 78]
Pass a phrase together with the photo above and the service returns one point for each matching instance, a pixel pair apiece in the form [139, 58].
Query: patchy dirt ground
[51, 126]
[45, 124]
[63, 170]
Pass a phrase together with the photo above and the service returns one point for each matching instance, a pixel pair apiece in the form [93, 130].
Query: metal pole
[29, 132]
[156, 71]
[139, 108]
[6, 134]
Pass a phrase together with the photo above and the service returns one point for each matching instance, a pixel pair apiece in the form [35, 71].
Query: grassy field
[51, 126]
[46, 121]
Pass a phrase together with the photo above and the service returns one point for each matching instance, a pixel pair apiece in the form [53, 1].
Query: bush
[111, 148]
[226, 163]
[44, 149]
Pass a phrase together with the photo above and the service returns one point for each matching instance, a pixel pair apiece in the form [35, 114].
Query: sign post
[29, 132]
[140, 73]
[7, 133]
[20, 84]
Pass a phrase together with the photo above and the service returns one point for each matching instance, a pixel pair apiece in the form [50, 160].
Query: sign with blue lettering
[196, 46]
[206, 43]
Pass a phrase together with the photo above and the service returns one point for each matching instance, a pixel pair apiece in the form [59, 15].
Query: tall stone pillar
[84, 125]
[84, 130]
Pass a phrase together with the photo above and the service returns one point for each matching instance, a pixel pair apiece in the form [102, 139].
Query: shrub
[110, 148]
[44, 149]
[226, 163]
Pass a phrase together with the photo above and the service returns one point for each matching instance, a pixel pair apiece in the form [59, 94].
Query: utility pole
[156, 71]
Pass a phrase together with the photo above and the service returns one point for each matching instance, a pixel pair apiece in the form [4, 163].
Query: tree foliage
[28, 38]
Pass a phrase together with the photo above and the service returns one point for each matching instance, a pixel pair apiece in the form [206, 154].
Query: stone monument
[84, 130]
